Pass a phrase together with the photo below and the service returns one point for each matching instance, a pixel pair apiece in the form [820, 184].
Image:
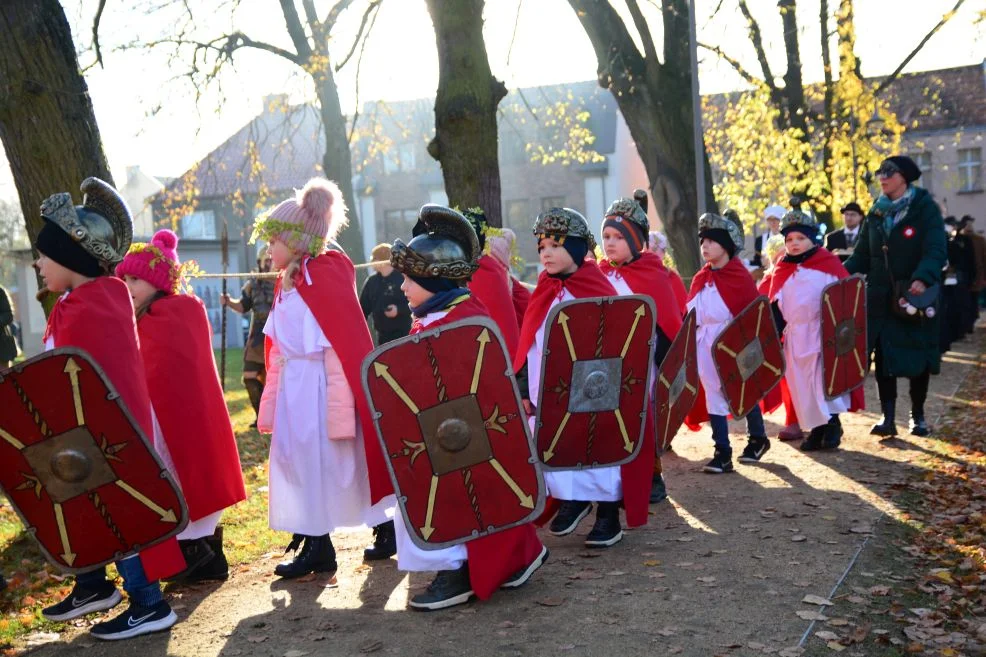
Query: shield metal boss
[843, 316]
[748, 357]
[454, 435]
[77, 467]
[592, 403]
[677, 383]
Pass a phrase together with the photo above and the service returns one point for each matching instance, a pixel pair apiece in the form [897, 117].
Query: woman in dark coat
[904, 230]
[8, 346]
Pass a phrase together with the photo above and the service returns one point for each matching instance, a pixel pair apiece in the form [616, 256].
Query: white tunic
[317, 485]
[711, 317]
[596, 485]
[410, 556]
[800, 303]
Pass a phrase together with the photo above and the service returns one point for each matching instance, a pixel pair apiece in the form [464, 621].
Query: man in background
[382, 298]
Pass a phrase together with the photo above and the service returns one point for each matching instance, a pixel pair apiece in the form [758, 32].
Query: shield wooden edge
[448, 415]
[844, 346]
[77, 468]
[748, 357]
[677, 383]
[595, 382]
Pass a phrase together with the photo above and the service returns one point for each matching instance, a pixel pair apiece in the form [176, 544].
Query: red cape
[490, 284]
[647, 275]
[98, 317]
[176, 346]
[521, 298]
[680, 293]
[492, 559]
[738, 290]
[332, 299]
[733, 281]
[826, 262]
[587, 281]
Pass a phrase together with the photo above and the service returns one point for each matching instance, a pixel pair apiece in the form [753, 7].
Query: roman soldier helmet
[102, 226]
[800, 221]
[633, 210]
[444, 245]
[710, 222]
[559, 223]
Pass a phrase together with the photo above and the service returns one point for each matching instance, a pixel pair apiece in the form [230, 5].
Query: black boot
[216, 568]
[919, 426]
[658, 489]
[196, 553]
[384, 543]
[449, 588]
[887, 427]
[815, 438]
[255, 390]
[316, 556]
[722, 461]
[607, 530]
[832, 437]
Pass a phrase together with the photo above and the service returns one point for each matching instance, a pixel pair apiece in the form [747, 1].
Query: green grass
[34, 584]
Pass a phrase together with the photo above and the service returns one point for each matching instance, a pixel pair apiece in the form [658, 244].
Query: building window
[199, 225]
[923, 160]
[400, 158]
[549, 202]
[398, 223]
[970, 169]
[518, 217]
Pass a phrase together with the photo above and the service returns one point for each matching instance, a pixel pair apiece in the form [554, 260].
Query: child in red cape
[323, 474]
[96, 315]
[564, 240]
[773, 248]
[796, 287]
[720, 291]
[659, 246]
[502, 247]
[491, 282]
[633, 269]
[192, 431]
[435, 264]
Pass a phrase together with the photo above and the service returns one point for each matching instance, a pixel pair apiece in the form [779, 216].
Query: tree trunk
[655, 100]
[337, 163]
[465, 142]
[47, 124]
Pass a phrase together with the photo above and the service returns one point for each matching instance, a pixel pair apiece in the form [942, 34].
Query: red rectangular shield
[77, 468]
[448, 415]
[748, 357]
[598, 355]
[677, 383]
[844, 358]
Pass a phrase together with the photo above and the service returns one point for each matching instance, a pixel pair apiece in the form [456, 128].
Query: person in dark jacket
[903, 241]
[8, 346]
[841, 242]
[382, 298]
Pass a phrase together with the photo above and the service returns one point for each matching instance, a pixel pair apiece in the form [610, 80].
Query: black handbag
[911, 307]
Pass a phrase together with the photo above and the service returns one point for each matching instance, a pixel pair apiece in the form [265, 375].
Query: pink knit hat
[501, 245]
[155, 262]
[305, 223]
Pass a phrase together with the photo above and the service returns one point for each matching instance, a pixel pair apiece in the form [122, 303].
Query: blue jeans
[720, 427]
[142, 593]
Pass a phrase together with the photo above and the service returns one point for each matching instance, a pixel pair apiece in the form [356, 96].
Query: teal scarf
[893, 211]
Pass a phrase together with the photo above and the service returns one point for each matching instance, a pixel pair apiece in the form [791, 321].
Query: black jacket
[379, 292]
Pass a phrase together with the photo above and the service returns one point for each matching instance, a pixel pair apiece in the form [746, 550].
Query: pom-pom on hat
[155, 262]
[307, 222]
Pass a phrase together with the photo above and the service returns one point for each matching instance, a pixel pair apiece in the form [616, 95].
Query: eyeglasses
[886, 171]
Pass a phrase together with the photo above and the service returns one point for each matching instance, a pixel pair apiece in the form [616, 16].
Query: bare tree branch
[373, 6]
[335, 12]
[95, 32]
[359, 65]
[650, 52]
[757, 38]
[893, 76]
[513, 34]
[618, 60]
[296, 30]
[746, 75]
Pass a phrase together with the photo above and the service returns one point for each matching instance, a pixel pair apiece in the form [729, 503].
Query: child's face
[140, 290]
[281, 254]
[615, 245]
[796, 243]
[712, 251]
[56, 277]
[416, 295]
[554, 258]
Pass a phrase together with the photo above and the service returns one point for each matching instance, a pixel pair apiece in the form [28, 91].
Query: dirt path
[721, 569]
